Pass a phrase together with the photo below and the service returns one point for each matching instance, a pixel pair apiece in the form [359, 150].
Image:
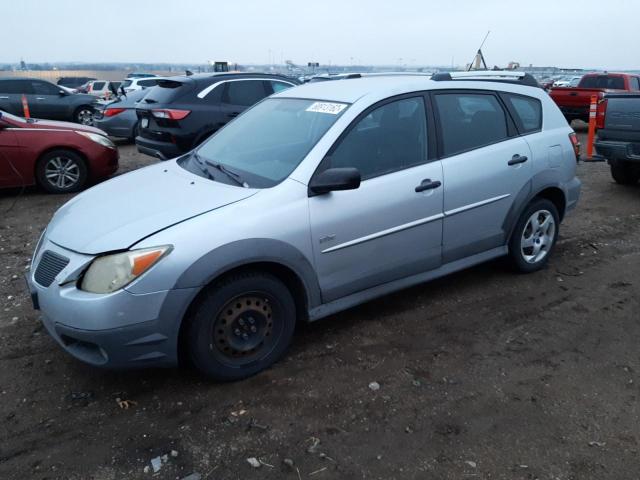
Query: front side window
[267, 142]
[469, 120]
[148, 83]
[390, 138]
[528, 112]
[635, 83]
[244, 92]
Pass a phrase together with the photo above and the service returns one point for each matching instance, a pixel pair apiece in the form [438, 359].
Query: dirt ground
[485, 374]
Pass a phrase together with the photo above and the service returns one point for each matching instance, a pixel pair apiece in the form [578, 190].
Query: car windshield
[264, 145]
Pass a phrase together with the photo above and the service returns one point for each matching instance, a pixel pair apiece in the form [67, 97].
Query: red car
[61, 157]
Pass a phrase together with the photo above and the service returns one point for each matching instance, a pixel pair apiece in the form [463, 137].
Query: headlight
[112, 272]
[38, 245]
[101, 139]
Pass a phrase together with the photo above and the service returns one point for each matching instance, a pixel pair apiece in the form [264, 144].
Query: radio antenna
[479, 57]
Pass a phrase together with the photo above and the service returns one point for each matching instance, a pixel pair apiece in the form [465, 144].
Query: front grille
[51, 264]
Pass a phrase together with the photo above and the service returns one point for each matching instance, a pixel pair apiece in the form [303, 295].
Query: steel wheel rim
[243, 330]
[85, 117]
[538, 236]
[62, 173]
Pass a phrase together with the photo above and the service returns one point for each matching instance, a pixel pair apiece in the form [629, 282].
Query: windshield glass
[265, 144]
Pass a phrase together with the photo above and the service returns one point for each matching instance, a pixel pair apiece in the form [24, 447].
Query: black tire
[83, 115]
[525, 259]
[135, 132]
[242, 325]
[66, 163]
[625, 174]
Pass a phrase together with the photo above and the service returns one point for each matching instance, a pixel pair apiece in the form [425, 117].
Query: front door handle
[40, 98]
[427, 184]
[233, 114]
[4, 98]
[517, 159]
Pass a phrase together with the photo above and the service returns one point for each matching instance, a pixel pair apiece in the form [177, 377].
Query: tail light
[112, 112]
[600, 113]
[170, 114]
[576, 144]
[90, 87]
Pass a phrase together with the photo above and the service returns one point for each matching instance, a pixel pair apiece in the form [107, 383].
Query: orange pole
[593, 110]
[25, 107]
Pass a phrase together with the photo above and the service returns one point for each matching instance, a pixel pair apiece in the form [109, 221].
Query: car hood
[122, 211]
[49, 124]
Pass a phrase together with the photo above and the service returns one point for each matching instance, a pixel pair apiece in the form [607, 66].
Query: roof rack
[506, 76]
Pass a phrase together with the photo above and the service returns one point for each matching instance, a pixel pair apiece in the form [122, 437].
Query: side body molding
[252, 250]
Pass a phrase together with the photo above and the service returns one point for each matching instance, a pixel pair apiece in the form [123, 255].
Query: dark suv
[45, 100]
[181, 112]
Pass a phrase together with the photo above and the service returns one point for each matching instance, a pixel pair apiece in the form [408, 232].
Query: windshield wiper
[202, 166]
[229, 173]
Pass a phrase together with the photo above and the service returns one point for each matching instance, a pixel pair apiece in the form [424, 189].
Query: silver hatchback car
[316, 199]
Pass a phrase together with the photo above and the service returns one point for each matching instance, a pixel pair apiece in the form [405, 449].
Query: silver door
[385, 229]
[483, 181]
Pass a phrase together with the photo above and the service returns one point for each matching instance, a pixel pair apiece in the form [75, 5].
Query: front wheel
[243, 325]
[625, 174]
[61, 171]
[535, 235]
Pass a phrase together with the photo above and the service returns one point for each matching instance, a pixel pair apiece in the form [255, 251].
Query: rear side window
[527, 112]
[15, 86]
[602, 81]
[147, 83]
[469, 120]
[126, 83]
[244, 92]
[97, 86]
[280, 86]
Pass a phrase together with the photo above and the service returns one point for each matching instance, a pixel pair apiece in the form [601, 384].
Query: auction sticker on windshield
[327, 107]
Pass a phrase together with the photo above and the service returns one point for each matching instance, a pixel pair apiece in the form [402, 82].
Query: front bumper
[612, 150]
[117, 330]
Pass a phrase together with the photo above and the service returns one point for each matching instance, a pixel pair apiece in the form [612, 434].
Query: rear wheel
[535, 236]
[242, 326]
[61, 171]
[624, 173]
[83, 115]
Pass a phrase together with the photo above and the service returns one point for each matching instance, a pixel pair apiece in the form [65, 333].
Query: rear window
[527, 112]
[167, 91]
[602, 81]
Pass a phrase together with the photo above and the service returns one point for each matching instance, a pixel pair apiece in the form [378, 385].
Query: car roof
[351, 90]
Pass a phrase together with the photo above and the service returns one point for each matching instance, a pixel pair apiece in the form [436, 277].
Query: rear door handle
[40, 98]
[573, 94]
[517, 159]
[427, 184]
[233, 114]
[4, 98]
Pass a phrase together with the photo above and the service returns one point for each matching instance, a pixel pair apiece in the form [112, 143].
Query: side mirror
[334, 179]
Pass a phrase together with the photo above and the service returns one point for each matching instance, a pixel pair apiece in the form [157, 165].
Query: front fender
[248, 251]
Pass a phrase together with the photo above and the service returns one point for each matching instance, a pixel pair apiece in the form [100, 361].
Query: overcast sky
[412, 32]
